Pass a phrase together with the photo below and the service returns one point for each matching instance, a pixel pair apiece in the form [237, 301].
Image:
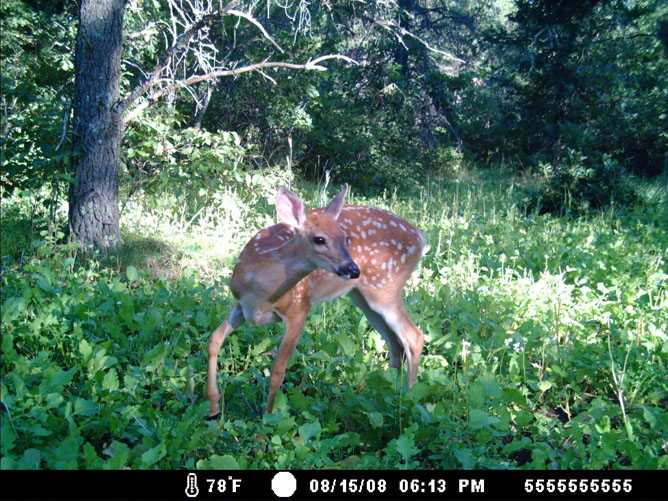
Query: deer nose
[348, 270]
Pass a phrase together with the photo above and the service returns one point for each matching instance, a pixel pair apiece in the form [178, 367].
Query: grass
[547, 342]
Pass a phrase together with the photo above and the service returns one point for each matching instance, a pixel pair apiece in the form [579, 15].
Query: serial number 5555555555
[582, 486]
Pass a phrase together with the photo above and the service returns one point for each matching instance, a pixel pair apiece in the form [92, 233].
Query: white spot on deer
[363, 233]
[403, 228]
[384, 265]
[393, 223]
[403, 258]
[372, 231]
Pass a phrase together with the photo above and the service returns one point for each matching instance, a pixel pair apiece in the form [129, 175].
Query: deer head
[325, 243]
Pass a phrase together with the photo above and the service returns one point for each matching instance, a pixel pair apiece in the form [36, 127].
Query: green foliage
[588, 76]
[527, 317]
[163, 156]
[540, 81]
[37, 75]
[575, 185]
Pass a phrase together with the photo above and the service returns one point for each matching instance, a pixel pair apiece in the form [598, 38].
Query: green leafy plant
[546, 346]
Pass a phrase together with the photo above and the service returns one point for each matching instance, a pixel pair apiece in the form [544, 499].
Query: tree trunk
[98, 128]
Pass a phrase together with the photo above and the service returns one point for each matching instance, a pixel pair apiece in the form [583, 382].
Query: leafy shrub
[446, 162]
[161, 154]
[37, 70]
[577, 184]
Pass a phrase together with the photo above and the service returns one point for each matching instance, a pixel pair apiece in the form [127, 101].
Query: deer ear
[335, 206]
[289, 208]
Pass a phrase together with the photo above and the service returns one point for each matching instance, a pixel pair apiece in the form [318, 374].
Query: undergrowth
[547, 342]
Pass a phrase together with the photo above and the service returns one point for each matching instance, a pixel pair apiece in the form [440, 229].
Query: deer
[319, 255]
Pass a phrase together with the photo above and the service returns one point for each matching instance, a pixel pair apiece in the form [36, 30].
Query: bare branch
[257, 24]
[179, 43]
[403, 31]
[267, 77]
[392, 32]
[311, 65]
[136, 66]
[66, 118]
[150, 30]
[320, 59]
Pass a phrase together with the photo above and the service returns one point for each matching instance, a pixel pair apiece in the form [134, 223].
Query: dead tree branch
[255, 22]
[311, 65]
[180, 43]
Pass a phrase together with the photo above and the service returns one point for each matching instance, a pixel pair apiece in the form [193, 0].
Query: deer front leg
[234, 320]
[294, 323]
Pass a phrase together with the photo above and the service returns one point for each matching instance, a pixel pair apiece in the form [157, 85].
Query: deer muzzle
[348, 270]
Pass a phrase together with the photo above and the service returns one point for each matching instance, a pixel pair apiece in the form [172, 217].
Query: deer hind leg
[394, 346]
[234, 320]
[293, 328]
[411, 338]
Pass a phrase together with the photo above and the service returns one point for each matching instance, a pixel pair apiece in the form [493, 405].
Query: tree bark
[98, 129]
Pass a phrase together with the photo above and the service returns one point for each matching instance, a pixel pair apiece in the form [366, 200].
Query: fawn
[319, 255]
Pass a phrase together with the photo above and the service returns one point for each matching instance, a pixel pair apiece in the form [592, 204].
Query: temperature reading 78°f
[471, 485]
[224, 485]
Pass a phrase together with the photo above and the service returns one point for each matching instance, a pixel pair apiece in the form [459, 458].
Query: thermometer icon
[191, 486]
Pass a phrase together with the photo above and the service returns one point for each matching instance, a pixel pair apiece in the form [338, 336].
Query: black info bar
[331, 484]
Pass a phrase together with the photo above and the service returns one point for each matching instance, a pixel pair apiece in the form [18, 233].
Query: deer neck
[290, 266]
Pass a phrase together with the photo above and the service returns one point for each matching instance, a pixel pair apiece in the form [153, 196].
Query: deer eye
[319, 241]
